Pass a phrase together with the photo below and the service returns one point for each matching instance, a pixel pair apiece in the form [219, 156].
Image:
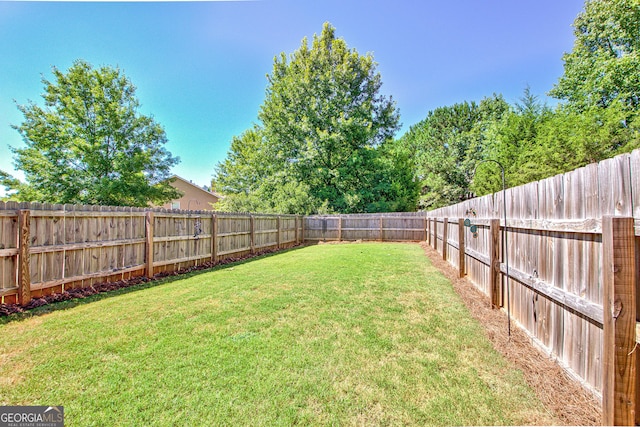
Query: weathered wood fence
[371, 227]
[46, 249]
[573, 253]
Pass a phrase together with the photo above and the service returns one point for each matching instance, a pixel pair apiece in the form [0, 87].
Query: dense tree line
[314, 153]
[324, 140]
[531, 140]
[596, 118]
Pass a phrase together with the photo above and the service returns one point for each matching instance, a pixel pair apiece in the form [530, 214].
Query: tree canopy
[318, 148]
[604, 64]
[531, 140]
[90, 145]
[324, 143]
[444, 146]
[597, 117]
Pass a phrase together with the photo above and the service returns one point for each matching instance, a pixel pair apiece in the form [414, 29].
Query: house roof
[213, 193]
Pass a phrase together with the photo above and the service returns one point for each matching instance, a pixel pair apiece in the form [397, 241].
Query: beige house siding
[194, 197]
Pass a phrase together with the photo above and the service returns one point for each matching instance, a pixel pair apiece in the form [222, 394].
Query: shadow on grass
[156, 281]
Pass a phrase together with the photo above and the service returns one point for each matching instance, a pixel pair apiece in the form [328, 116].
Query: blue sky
[200, 67]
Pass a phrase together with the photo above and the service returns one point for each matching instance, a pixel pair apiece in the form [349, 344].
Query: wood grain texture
[445, 238]
[252, 233]
[424, 226]
[214, 238]
[494, 263]
[462, 271]
[577, 352]
[619, 364]
[149, 226]
[559, 296]
[24, 260]
[614, 178]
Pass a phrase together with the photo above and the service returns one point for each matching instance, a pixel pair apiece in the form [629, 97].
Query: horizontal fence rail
[572, 245]
[46, 249]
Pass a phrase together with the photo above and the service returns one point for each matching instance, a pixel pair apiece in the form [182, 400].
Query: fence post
[214, 238]
[461, 248]
[148, 249]
[278, 232]
[445, 231]
[381, 228]
[424, 225]
[494, 263]
[339, 228]
[619, 304]
[302, 227]
[434, 242]
[252, 230]
[24, 258]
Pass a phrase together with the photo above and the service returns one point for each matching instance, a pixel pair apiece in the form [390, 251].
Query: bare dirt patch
[562, 395]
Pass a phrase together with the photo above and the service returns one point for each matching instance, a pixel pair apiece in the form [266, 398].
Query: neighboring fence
[573, 261]
[46, 249]
[405, 226]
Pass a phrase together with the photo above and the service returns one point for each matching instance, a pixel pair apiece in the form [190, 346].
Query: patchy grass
[364, 334]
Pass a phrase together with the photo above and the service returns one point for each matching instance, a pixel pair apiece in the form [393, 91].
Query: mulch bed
[98, 288]
[566, 398]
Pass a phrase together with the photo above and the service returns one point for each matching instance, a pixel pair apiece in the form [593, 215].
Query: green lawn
[367, 334]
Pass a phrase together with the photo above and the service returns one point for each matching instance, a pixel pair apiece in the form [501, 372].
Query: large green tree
[444, 147]
[533, 141]
[90, 144]
[255, 180]
[511, 140]
[570, 139]
[323, 122]
[605, 61]
[598, 118]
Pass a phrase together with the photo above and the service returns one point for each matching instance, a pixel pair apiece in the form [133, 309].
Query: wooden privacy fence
[46, 249]
[573, 253]
[373, 227]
